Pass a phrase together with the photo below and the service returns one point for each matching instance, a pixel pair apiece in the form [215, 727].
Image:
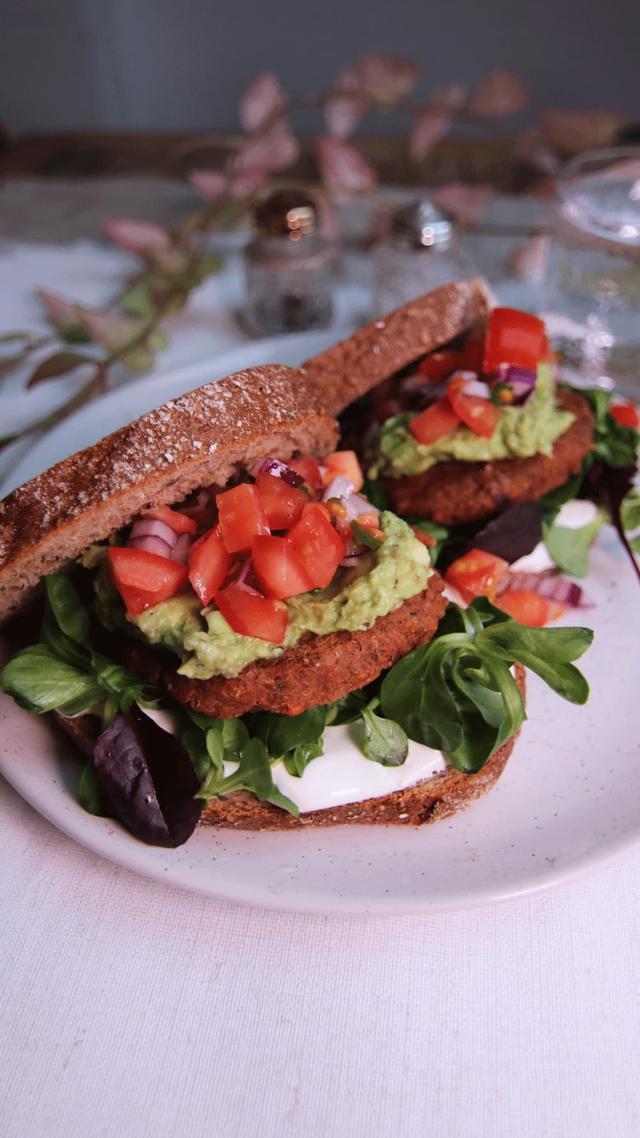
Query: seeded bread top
[199, 439]
[351, 368]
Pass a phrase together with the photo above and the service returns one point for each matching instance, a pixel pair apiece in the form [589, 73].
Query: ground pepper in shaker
[288, 266]
[419, 253]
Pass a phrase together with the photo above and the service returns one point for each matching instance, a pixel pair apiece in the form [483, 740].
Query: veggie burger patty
[451, 493]
[316, 670]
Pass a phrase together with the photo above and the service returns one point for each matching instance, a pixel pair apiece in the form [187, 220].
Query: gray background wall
[181, 64]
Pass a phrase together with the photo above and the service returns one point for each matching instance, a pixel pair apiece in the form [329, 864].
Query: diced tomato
[343, 463]
[178, 522]
[426, 538]
[626, 414]
[253, 615]
[369, 521]
[434, 423]
[438, 365]
[472, 355]
[318, 546]
[326, 508]
[241, 517]
[528, 607]
[279, 568]
[309, 469]
[209, 564]
[282, 504]
[477, 574]
[144, 579]
[480, 415]
[514, 337]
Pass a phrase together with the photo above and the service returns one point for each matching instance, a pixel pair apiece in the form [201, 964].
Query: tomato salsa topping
[247, 549]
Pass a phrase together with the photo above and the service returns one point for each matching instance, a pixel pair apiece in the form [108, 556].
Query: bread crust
[451, 493]
[351, 368]
[429, 801]
[317, 670]
[199, 439]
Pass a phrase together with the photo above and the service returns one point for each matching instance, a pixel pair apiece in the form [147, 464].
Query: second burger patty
[317, 670]
[452, 493]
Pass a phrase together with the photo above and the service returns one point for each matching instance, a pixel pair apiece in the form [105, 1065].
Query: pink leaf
[139, 237]
[532, 149]
[464, 203]
[213, 184]
[275, 150]
[345, 105]
[262, 102]
[528, 261]
[571, 132]
[153, 243]
[109, 329]
[247, 182]
[500, 93]
[451, 98]
[386, 79]
[428, 127]
[342, 168]
[342, 113]
[210, 184]
[60, 312]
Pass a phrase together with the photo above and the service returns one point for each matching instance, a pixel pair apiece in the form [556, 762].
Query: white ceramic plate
[568, 801]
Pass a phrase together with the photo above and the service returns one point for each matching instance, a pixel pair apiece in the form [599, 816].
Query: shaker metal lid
[289, 213]
[420, 225]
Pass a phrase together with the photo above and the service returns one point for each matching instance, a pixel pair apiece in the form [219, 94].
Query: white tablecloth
[131, 1009]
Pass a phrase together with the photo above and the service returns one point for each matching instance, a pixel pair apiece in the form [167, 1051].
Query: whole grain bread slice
[351, 368]
[428, 801]
[199, 439]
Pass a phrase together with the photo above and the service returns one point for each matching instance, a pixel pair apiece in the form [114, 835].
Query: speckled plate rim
[492, 852]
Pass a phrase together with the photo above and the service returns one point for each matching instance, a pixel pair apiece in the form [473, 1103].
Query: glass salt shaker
[288, 266]
[419, 253]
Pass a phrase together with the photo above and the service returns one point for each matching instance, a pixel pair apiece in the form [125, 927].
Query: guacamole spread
[521, 432]
[399, 569]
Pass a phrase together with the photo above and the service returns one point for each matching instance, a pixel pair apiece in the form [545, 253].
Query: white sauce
[342, 775]
[538, 561]
[576, 514]
[572, 515]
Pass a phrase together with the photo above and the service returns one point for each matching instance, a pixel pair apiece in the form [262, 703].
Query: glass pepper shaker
[288, 266]
[419, 253]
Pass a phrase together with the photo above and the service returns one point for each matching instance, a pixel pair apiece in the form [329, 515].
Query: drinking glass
[593, 292]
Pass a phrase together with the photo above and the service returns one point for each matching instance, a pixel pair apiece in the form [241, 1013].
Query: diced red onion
[473, 385]
[511, 373]
[277, 469]
[553, 586]
[200, 502]
[151, 544]
[339, 487]
[353, 557]
[180, 551]
[245, 577]
[153, 527]
[356, 505]
[521, 380]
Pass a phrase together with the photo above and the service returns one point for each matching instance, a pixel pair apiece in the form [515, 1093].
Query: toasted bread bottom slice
[316, 670]
[437, 797]
[451, 493]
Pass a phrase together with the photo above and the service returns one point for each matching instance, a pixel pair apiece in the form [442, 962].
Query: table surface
[129, 1008]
